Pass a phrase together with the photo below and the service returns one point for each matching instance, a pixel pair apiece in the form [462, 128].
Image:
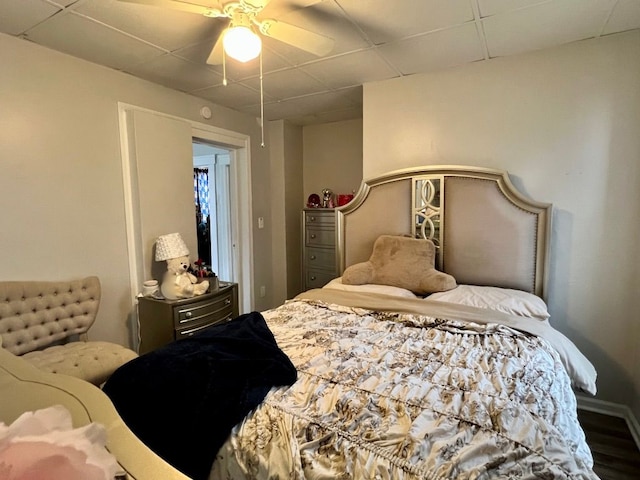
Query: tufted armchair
[44, 321]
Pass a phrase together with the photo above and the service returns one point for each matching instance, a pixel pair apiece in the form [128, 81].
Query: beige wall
[286, 191]
[61, 184]
[332, 157]
[294, 197]
[565, 123]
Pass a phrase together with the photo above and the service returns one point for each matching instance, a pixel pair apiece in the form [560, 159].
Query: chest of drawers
[163, 321]
[319, 261]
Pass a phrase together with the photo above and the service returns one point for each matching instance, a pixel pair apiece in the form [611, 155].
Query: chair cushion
[91, 361]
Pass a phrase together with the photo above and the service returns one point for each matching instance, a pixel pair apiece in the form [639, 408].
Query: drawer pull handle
[313, 277]
[227, 301]
[313, 235]
[188, 314]
[313, 257]
[312, 219]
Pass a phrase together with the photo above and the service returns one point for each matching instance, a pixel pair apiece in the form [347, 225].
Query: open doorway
[213, 206]
[154, 149]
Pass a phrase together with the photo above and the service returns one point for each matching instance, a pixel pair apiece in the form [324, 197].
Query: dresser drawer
[324, 258]
[320, 218]
[320, 237]
[317, 278]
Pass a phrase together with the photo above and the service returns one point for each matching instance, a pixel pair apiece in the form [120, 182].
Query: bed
[471, 382]
[468, 383]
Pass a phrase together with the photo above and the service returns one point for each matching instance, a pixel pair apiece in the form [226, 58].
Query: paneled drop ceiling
[374, 40]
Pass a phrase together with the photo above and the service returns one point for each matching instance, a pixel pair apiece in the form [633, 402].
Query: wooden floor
[615, 454]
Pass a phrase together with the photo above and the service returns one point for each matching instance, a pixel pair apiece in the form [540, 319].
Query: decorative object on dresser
[313, 201]
[327, 198]
[163, 321]
[177, 281]
[45, 322]
[319, 261]
[345, 198]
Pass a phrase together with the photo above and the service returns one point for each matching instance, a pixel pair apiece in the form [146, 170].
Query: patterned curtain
[201, 191]
[203, 221]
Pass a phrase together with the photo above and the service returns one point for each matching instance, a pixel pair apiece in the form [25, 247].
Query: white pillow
[336, 284]
[514, 302]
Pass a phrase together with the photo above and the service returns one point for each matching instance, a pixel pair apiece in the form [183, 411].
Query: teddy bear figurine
[177, 282]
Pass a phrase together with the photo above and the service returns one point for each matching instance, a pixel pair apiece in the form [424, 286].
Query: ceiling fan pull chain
[224, 68]
[261, 102]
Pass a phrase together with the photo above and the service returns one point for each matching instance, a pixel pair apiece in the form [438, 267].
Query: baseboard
[613, 409]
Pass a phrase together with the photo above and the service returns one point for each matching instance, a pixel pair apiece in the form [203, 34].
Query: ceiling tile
[287, 83]
[290, 55]
[19, 16]
[625, 16]
[167, 28]
[442, 49]
[329, 20]
[347, 99]
[351, 69]
[98, 44]
[233, 95]
[327, 117]
[492, 7]
[544, 25]
[280, 8]
[178, 73]
[386, 21]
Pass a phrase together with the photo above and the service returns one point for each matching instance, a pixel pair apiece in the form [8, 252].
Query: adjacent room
[356, 198]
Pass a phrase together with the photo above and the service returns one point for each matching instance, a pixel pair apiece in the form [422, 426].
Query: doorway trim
[240, 145]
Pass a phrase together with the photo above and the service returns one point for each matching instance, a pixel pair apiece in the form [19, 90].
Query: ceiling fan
[244, 18]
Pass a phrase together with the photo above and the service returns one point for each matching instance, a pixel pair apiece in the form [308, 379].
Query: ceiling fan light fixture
[241, 43]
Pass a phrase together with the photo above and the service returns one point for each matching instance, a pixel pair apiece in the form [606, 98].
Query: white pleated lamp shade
[170, 246]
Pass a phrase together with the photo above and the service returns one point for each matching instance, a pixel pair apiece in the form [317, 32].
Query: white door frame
[239, 144]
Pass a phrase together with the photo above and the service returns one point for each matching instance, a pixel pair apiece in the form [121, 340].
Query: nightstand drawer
[195, 326]
[206, 311]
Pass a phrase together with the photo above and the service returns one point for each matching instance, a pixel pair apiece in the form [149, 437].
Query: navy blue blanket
[182, 400]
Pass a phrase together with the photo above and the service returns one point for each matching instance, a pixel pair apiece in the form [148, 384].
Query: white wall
[61, 185]
[566, 124]
[332, 157]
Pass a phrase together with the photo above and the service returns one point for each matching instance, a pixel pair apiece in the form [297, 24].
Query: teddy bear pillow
[402, 262]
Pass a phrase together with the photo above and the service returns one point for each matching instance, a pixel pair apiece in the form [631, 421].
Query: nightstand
[163, 321]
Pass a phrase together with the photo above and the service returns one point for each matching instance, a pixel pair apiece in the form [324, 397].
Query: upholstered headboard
[486, 232]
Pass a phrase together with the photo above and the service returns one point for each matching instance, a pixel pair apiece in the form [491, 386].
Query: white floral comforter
[383, 395]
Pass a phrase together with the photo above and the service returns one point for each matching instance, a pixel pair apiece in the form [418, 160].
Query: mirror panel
[427, 210]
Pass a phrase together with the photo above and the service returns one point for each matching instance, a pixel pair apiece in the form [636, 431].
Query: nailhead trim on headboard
[36, 314]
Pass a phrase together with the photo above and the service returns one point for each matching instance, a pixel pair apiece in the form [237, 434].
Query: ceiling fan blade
[215, 57]
[297, 37]
[254, 5]
[279, 8]
[180, 5]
